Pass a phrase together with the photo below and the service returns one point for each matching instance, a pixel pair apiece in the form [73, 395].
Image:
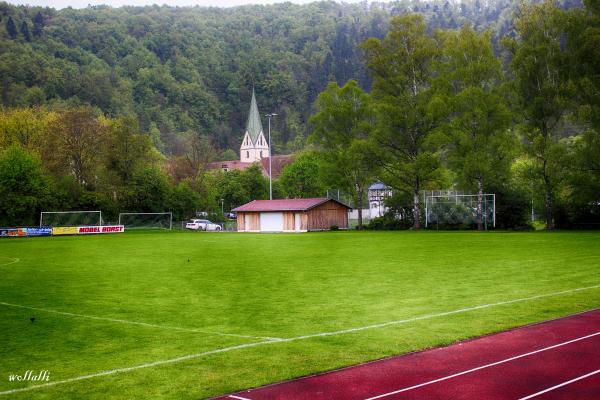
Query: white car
[202, 225]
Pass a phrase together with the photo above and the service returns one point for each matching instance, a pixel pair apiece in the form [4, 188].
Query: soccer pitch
[188, 315]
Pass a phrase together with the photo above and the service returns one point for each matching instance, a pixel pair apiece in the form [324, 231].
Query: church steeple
[254, 145]
[254, 125]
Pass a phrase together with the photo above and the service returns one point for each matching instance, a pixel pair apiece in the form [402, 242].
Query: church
[254, 148]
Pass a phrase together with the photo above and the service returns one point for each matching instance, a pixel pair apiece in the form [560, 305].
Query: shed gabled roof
[254, 125]
[284, 205]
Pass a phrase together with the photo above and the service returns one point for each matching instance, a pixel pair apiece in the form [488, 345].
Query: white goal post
[456, 208]
[162, 220]
[70, 218]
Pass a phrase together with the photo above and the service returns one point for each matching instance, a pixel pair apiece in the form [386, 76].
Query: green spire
[254, 126]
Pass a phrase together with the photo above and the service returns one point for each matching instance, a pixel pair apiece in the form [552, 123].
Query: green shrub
[389, 222]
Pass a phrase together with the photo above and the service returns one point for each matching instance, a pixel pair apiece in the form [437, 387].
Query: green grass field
[154, 306]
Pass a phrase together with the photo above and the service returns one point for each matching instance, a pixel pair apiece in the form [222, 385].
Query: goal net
[457, 209]
[146, 220]
[70, 218]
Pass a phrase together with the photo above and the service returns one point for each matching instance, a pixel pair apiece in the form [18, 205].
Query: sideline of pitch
[293, 339]
[146, 324]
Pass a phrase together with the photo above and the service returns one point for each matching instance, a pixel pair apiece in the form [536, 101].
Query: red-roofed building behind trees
[254, 149]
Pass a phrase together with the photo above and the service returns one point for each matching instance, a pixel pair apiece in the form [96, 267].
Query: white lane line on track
[381, 396]
[124, 321]
[238, 397]
[560, 385]
[286, 340]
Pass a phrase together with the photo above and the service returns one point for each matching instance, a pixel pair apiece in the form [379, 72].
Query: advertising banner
[9, 232]
[86, 230]
[38, 231]
[64, 230]
[16, 232]
[23, 232]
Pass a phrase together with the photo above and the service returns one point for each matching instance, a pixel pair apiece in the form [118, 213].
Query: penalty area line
[146, 324]
[14, 261]
[293, 339]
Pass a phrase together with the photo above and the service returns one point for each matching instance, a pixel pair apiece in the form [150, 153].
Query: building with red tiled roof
[292, 215]
[277, 165]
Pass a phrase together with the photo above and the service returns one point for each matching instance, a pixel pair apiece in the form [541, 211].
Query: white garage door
[271, 222]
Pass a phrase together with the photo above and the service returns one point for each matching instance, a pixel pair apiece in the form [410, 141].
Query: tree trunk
[549, 204]
[360, 223]
[359, 195]
[479, 205]
[416, 205]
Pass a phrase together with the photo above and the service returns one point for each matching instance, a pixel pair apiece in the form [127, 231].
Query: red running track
[558, 359]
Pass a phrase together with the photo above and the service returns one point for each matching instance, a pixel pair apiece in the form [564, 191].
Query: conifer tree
[38, 25]
[11, 29]
[25, 31]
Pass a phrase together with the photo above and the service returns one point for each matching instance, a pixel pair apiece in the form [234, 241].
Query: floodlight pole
[426, 214]
[269, 116]
[494, 209]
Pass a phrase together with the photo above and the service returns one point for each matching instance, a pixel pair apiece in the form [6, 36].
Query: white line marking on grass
[286, 340]
[443, 314]
[238, 397]
[136, 367]
[14, 261]
[560, 385]
[483, 367]
[124, 321]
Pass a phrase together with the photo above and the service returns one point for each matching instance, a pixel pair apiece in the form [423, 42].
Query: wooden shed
[291, 215]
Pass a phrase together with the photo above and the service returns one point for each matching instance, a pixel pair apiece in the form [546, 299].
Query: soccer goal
[452, 209]
[70, 218]
[162, 220]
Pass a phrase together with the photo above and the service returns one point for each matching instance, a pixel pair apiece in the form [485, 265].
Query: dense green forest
[123, 109]
[192, 69]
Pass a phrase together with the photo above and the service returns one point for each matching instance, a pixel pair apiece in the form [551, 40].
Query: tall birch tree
[407, 106]
[480, 147]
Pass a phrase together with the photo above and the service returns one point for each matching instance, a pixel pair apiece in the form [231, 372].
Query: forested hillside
[188, 70]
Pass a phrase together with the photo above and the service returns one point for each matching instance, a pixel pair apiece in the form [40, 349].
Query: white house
[378, 193]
